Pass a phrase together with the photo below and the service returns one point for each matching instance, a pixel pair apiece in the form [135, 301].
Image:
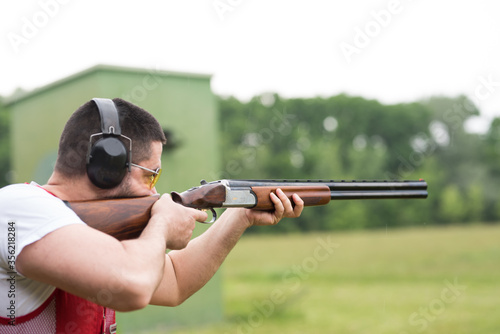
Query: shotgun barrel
[344, 189]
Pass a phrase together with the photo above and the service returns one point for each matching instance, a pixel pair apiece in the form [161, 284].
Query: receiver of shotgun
[126, 218]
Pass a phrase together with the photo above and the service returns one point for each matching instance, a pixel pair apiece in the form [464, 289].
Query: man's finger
[288, 205]
[299, 205]
[200, 216]
[278, 205]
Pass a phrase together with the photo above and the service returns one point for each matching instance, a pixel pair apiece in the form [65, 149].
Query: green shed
[186, 108]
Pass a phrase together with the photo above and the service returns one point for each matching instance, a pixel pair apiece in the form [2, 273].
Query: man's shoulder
[33, 213]
[24, 192]
[31, 200]
[16, 188]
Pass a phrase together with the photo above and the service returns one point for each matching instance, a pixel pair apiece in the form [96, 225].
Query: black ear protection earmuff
[108, 158]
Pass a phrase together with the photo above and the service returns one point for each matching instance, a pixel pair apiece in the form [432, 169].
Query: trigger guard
[214, 216]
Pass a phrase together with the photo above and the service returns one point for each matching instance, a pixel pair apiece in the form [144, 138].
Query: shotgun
[125, 218]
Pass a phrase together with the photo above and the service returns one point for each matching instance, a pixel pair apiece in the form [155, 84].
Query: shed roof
[20, 96]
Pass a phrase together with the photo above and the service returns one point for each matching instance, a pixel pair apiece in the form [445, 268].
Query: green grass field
[401, 281]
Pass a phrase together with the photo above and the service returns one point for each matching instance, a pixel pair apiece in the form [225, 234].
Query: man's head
[137, 124]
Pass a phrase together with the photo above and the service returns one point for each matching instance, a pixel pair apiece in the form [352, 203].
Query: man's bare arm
[93, 265]
[189, 269]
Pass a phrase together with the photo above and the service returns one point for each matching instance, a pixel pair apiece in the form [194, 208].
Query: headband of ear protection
[108, 158]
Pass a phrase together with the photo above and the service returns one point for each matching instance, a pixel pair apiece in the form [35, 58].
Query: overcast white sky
[390, 50]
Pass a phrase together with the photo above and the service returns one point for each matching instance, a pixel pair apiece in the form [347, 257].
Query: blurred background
[292, 89]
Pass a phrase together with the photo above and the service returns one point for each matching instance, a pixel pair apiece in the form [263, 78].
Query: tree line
[348, 137]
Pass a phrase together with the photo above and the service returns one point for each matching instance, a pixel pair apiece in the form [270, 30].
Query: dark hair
[135, 122]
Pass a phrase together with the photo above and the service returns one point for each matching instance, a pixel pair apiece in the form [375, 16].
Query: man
[58, 275]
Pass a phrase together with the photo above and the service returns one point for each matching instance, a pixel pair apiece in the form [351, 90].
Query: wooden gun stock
[126, 218]
[123, 218]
